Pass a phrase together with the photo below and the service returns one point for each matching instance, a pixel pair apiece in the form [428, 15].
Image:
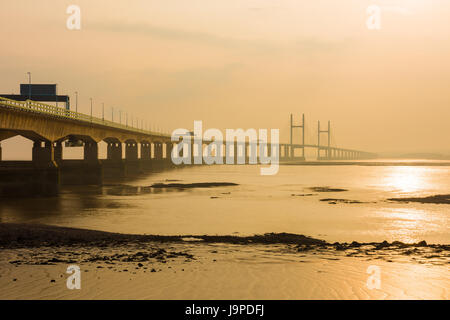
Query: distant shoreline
[401, 163]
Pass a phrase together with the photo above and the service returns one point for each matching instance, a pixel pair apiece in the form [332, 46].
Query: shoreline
[35, 258]
[35, 235]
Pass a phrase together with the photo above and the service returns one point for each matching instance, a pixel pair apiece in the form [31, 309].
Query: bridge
[324, 151]
[50, 126]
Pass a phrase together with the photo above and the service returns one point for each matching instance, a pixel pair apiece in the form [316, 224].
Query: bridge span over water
[49, 127]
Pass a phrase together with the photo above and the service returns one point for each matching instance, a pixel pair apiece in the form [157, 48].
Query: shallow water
[259, 204]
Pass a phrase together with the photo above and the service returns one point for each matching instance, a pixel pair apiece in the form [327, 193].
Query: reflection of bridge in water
[130, 148]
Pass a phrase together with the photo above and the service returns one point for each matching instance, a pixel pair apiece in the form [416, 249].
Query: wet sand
[34, 260]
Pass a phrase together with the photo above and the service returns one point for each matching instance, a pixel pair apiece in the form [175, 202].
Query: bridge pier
[88, 171]
[146, 156]
[169, 149]
[92, 172]
[131, 151]
[43, 153]
[247, 150]
[132, 162]
[58, 151]
[114, 151]
[284, 152]
[157, 160]
[146, 151]
[158, 151]
[91, 152]
[113, 166]
[41, 178]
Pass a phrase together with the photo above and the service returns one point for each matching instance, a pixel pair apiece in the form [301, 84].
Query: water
[259, 204]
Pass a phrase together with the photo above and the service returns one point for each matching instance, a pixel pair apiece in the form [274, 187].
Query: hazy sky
[246, 63]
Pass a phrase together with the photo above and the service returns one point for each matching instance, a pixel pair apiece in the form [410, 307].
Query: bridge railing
[33, 106]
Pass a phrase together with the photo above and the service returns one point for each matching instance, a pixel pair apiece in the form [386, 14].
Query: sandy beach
[276, 266]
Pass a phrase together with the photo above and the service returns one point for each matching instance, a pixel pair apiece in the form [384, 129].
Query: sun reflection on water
[410, 225]
[407, 179]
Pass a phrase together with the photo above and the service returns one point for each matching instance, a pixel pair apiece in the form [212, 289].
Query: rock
[355, 244]
[382, 245]
[140, 265]
[302, 248]
[339, 247]
[399, 244]
[153, 270]
[422, 243]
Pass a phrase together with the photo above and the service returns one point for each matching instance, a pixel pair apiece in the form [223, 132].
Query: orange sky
[246, 63]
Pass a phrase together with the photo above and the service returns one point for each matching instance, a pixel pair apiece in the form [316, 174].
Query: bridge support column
[169, 148]
[58, 151]
[146, 151]
[43, 153]
[146, 156]
[88, 171]
[132, 163]
[157, 151]
[45, 178]
[113, 166]
[286, 152]
[91, 152]
[0, 152]
[247, 153]
[157, 161]
[131, 151]
[114, 151]
[94, 172]
[168, 159]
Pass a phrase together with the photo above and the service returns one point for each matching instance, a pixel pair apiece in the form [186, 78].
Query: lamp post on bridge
[103, 111]
[91, 109]
[29, 85]
[76, 101]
